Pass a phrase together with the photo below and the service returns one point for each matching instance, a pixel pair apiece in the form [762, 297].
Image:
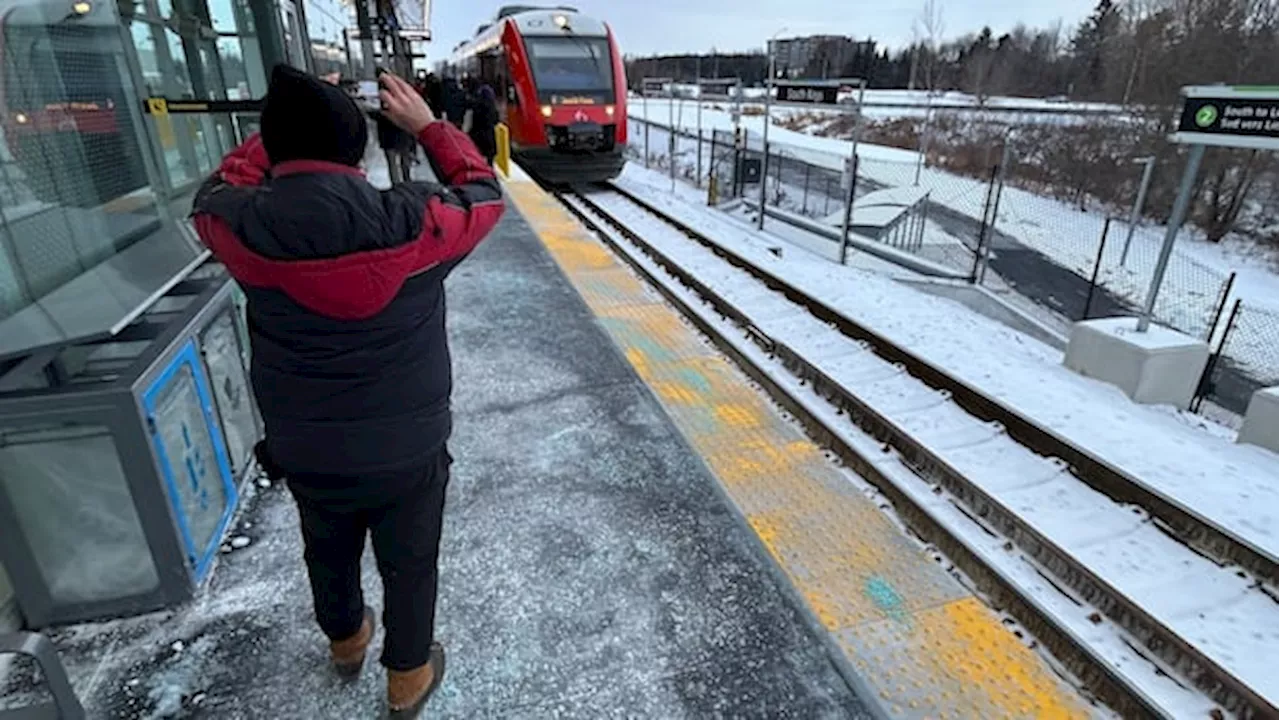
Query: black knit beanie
[306, 118]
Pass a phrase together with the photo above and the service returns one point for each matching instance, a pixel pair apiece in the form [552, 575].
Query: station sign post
[822, 92]
[1236, 116]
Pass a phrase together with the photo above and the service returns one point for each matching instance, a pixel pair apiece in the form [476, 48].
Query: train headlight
[546, 111]
[561, 21]
[21, 118]
[82, 7]
[608, 110]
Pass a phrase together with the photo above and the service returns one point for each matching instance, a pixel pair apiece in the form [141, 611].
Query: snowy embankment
[1059, 230]
[1233, 485]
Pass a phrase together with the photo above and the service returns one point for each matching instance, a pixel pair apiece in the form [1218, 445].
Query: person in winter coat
[453, 100]
[435, 94]
[350, 361]
[482, 118]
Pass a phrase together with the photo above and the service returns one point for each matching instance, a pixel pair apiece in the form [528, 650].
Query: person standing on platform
[434, 94]
[398, 146]
[350, 360]
[482, 114]
[453, 101]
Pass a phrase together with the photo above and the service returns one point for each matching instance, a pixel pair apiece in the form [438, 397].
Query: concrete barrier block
[1261, 426]
[1156, 367]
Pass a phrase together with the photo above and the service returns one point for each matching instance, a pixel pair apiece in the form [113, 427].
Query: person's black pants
[403, 513]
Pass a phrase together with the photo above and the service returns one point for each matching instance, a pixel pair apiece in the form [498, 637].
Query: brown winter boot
[409, 690]
[348, 655]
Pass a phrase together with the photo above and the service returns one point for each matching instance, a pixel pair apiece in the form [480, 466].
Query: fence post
[646, 141]
[777, 183]
[1204, 386]
[848, 211]
[982, 229]
[1097, 265]
[995, 210]
[1221, 305]
[804, 203]
[671, 135]
[711, 164]
[697, 176]
[738, 145]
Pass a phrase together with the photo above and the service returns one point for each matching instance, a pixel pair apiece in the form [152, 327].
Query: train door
[522, 112]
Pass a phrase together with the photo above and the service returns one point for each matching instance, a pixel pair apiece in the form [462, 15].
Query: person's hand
[402, 105]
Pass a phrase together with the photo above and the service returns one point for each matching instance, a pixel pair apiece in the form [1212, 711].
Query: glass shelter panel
[74, 189]
[75, 510]
[220, 346]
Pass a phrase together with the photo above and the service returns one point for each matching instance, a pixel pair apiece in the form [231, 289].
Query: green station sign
[1230, 116]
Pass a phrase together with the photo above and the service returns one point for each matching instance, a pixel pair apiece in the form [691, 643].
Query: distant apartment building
[815, 56]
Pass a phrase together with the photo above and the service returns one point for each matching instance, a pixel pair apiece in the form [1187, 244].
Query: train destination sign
[1230, 116]
[816, 94]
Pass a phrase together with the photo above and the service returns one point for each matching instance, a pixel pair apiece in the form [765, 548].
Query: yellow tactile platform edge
[921, 642]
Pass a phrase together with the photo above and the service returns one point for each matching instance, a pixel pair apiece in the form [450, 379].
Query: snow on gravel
[1234, 486]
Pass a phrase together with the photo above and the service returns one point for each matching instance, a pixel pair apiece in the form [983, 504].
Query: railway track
[1170, 594]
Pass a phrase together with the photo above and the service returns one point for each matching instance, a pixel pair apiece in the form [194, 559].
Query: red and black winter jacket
[346, 306]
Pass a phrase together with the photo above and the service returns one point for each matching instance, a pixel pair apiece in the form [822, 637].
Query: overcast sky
[646, 27]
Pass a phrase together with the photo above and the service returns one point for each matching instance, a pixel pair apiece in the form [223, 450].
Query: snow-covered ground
[1194, 281]
[946, 99]
[889, 104]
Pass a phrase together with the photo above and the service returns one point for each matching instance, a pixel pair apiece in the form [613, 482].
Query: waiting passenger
[350, 362]
[453, 100]
[482, 120]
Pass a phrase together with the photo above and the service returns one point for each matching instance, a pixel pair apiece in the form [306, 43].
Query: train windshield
[569, 68]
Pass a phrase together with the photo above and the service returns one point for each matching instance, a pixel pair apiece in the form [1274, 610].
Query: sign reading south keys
[816, 94]
[1243, 117]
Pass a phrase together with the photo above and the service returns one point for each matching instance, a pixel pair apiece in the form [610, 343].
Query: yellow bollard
[503, 159]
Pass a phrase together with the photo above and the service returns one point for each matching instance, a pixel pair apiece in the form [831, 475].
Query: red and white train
[561, 89]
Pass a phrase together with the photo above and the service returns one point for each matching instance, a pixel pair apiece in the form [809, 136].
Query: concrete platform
[591, 567]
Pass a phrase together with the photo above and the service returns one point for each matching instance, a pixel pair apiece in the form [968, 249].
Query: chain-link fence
[1243, 360]
[1048, 250]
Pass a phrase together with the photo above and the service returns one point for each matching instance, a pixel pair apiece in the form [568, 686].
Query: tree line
[1131, 52]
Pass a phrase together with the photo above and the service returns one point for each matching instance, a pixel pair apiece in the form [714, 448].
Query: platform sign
[813, 94]
[1230, 116]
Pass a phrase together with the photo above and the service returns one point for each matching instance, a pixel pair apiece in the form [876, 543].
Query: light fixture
[546, 111]
[82, 7]
[561, 21]
[21, 118]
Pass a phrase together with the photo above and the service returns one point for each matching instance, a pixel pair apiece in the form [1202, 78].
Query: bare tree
[928, 29]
